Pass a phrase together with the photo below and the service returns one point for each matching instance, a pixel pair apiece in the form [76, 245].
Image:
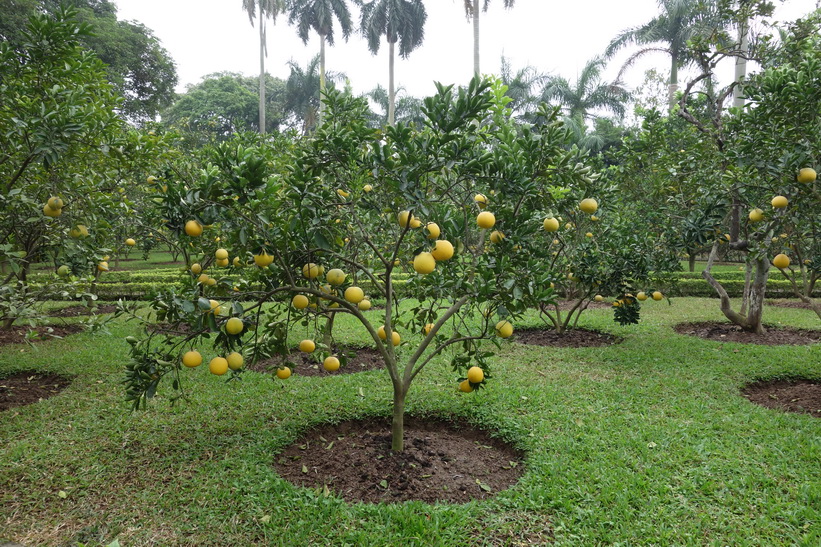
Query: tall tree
[400, 21]
[319, 15]
[266, 8]
[588, 93]
[520, 87]
[472, 11]
[302, 93]
[668, 32]
[408, 108]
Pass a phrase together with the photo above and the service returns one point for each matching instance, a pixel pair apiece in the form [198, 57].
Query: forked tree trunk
[751, 321]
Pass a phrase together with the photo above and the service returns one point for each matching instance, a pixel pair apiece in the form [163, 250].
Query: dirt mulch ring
[802, 396]
[25, 388]
[796, 304]
[574, 338]
[442, 462]
[17, 335]
[308, 365]
[76, 311]
[728, 332]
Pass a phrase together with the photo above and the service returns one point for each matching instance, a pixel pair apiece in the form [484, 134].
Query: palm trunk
[673, 87]
[391, 88]
[741, 63]
[261, 74]
[321, 78]
[476, 38]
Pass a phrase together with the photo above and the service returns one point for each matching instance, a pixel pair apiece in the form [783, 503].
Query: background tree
[521, 87]
[408, 108]
[319, 15]
[265, 9]
[472, 12]
[302, 92]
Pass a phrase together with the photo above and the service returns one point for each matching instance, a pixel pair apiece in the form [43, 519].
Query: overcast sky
[207, 36]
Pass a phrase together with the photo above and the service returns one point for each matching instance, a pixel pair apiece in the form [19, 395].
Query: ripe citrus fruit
[130, 242]
[657, 295]
[404, 218]
[307, 346]
[486, 220]
[53, 213]
[415, 223]
[424, 263]
[235, 360]
[215, 307]
[481, 200]
[283, 373]
[234, 325]
[218, 366]
[196, 269]
[589, 205]
[395, 338]
[299, 301]
[641, 296]
[807, 174]
[222, 262]
[551, 224]
[475, 375]
[442, 250]
[55, 203]
[381, 333]
[427, 328]
[781, 261]
[102, 266]
[364, 305]
[192, 359]
[367, 188]
[756, 215]
[504, 329]
[588, 234]
[598, 298]
[354, 295]
[311, 270]
[496, 236]
[779, 202]
[193, 228]
[335, 276]
[263, 260]
[465, 387]
[433, 230]
[221, 254]
[330, 363]
[236, 262]
[342, 193]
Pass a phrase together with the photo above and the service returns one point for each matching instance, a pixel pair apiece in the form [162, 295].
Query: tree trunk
[327, 334]
[476, 37]
[321, 78]
[692, 261]
[673, 86]
[391, 88]
[741, 62]
[262, 52]
[751, 321]
[400, 390]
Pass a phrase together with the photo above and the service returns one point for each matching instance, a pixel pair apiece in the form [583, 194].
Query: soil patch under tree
[76, 311]
[728, 332]
[309, 364]
[442, 462]
[803, 396]
[19, 335]
[573, 338]
[795, 304]
[25, 388]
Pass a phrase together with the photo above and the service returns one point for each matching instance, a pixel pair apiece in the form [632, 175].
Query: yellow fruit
[54, 203]
[779, 202]
[594, 218]
[465, 387]
[486, 220]
[192, 359]
[210, 281]
[193, 228]
[641, 296]
[427, 328]
[218, 366]
[504, 329]
[481, 200]
[307, 346]
[781, 261]
[311, 270]
[102, 266]
[342, 193]
[221, 254]
[424, 263]
[222, 263]
[598, 298]
[330, 363]
[807, 174]
[496, 236]
[588, 234]
[234, 325]
[657, 295]
[433, 230]
[215, 307]
[196, 269]
[367, 188]
[475, 375]
[589, 205]
[235, 360]
[442, 250]
[130, 242]
[415, 223]
[203, 278]
[263, 260]
[395, 338]
[53, 213]
[404, 218]
[381, 333]
[354, 295]
[283, 373]
[551, 224]
[150, 179]
[756, 215]
[364, 305]
[236, 262]
[300, 301]
[335, 276]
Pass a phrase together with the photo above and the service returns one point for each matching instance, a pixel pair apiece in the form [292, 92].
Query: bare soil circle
[441, 462]
[25, 388]
[728, 332]
[573, 338]
[19, 335]
[76, 311]
[794, 304]
[802, 396]
[309, 364]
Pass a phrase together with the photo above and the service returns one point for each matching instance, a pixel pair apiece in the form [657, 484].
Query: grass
[643, 443]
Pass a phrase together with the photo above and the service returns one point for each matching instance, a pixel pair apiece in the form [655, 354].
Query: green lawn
[643, 443]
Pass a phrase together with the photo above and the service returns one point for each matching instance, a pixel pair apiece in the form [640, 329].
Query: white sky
[206, 36]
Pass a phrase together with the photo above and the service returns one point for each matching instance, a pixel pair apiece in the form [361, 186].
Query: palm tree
[408, 107]
[587, 94]
[319, 15]
[302, 93]
[472, 11]
[520, 86]
[267, 8]
[400, 21]
[680, 21]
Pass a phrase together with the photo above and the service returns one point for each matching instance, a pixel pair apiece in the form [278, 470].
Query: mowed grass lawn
[643, 443]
